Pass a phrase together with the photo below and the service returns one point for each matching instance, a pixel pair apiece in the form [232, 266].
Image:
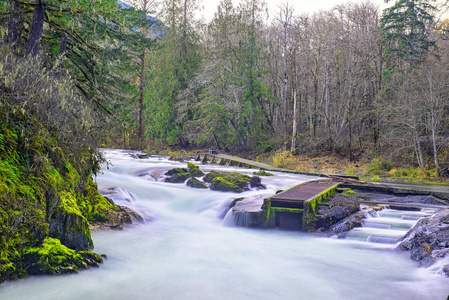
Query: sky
[300, 6]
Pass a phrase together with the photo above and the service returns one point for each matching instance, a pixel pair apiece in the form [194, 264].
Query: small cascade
[118, 195]
[238, 218]
[387, 226]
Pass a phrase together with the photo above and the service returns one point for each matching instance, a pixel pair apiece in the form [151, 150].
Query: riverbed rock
[221, 184]
[349, 223]
[428, 239]
[256, 182]
[195, 183]
[54, 258]
[237, 179]
[196, 172]
[210, 176]
[340, 207]
[178, 178]
[262, 173]
[175, 171]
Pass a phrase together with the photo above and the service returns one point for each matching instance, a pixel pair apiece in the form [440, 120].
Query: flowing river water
[184, 251]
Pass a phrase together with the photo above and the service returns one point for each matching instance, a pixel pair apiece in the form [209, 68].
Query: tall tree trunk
[417, 145]
[14, 20]
[142, 83]
[294, 122]
[63, 45]
[285, 25]
[36, 29]
[433, 126]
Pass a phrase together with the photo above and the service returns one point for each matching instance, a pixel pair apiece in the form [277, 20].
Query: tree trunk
[63, 45]
[418, 145]
[294, 123]
[141, 95]
[14, 20]
[36, 29]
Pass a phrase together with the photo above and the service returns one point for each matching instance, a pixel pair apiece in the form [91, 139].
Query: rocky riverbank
[427, 242]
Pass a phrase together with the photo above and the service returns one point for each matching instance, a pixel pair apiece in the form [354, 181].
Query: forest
[353, 81]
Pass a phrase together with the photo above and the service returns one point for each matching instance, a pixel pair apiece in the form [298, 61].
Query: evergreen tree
[404, 28]
[173, 65]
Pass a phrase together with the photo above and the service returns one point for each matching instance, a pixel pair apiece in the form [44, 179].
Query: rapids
[184, 251]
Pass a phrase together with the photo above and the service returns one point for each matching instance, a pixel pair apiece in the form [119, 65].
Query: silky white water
[185, 252]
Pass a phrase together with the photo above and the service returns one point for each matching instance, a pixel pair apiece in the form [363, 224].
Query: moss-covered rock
[196, 173]
[195, 183]
[178, 178]
[210, 176]
[236, 179]
[262, 173]
[191, 166]
[44, 197]
[240, 180]
[221, 184]
[175, 171]
[54, 258]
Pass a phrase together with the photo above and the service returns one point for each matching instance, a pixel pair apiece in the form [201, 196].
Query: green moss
[210, 176]
[176, 171]
[69, 203]
[195, 183]
[94, 206]
[262, 173]
[178, 178]
[191, 166]
[54, 258]
[221, 184]
[196, 173]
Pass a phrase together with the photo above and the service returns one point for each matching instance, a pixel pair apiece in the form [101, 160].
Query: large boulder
[53, 258]
[256, 182]
[178, 178]
[339, 208]
[240, 180]
[195, 183]
[211, 175]
[196, 172]
[175, 171]
[221, 184]
[428, 239]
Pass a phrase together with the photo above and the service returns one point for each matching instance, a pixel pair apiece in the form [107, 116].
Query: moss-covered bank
[45, 204]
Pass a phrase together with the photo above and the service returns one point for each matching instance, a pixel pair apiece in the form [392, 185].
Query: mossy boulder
[54, 258]
[239, 180]
[195, 183]
[223, 185]
[262, 173]
[191, 166]
[196, 173]
[178, 178]
[210, 176]
[68, 224]
[175, 171]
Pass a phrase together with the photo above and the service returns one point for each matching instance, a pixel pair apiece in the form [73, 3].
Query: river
[183, 251]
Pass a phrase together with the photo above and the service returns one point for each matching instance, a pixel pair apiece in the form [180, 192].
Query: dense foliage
[66, 79]
[350, 81]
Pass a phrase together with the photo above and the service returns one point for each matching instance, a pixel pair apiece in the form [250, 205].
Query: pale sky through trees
[209, 7]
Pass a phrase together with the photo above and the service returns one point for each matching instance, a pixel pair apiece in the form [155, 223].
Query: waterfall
[237, 218]
[386, 226]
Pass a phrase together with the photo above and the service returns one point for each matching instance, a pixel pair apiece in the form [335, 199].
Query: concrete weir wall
[288, 216]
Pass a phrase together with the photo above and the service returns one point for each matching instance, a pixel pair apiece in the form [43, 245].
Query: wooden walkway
[295, 197]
